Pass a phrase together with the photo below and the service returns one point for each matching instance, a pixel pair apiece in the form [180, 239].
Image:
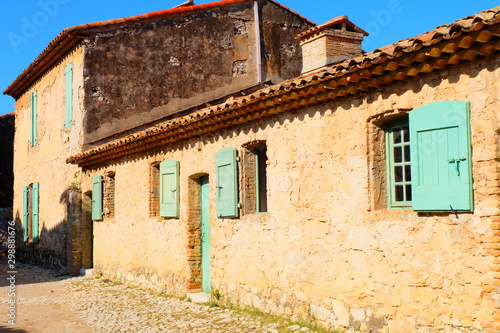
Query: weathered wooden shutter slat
[441, 157]
[34, 105]
[226, 182]
[97, 197]
[68, 79]
[35, 211]
[169, 188]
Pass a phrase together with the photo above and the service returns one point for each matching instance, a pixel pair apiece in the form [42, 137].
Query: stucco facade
[43, 162]
[324, 250]
[197, 54]
[286, 198]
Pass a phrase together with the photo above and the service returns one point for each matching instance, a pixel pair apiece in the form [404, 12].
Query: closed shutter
[34, 104]
[97, 197]
[68, 79]
[226, 182]
[441, 157]
[169, 188]
[35, 215]
[25, 213]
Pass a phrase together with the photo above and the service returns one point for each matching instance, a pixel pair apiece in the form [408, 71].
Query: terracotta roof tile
[434, 50]
[68, 38]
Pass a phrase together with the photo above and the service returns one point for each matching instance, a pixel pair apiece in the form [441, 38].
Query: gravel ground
[54, 303]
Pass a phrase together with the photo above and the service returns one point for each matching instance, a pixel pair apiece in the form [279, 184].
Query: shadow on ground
[4, 329]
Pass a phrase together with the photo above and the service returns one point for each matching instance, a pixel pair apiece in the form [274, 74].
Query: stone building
[6, 163]
[363, 194]
[102, 80]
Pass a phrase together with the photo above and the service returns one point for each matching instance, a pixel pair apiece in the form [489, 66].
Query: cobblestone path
[48, 303]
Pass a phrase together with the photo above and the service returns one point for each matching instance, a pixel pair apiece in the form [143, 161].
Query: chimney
[335, 41]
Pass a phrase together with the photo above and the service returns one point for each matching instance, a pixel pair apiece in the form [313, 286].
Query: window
[34, 105]
[96, 197]
[227, 183]
[68, 80]
[399, 165]
[31, 212]
[108, 199]
[254, 178]
[429, 159]
[154, 190]
[169, 188]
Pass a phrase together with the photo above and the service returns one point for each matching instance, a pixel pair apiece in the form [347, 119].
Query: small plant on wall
[76, 183]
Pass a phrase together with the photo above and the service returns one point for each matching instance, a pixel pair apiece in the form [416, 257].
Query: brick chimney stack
[335, 41]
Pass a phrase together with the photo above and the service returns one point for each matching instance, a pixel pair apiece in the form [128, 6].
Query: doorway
[205, 234]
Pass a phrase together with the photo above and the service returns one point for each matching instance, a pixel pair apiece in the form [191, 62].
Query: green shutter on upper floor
[169, 188]
[441, 157]
[226, 182]
[25, 213]
[35, 211]
[34, 106]
[68, 80]
[96, 197]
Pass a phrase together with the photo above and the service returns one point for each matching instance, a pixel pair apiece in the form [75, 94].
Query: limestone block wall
[327, 248]
[45, 162]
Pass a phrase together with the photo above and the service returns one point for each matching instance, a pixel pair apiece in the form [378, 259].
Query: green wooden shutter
[68, 79]
[226, 182]
[34, 212]
[34, 103]
[169, 188]
[441, 157]
[25, 213]
[97, 197]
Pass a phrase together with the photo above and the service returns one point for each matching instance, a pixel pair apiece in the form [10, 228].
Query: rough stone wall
[156, 69]
[325, 249]
[45, 162]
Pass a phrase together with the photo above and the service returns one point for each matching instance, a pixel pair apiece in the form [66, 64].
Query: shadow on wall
[67, 246]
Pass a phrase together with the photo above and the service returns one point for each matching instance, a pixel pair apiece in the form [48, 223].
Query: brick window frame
[378, 126]
[154, 189]
[254, 177]
[109, 195]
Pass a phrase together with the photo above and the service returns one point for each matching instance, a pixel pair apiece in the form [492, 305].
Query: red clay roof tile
[68, 38]
[366, 67]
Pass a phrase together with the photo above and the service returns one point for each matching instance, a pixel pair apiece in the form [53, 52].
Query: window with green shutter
[226, 183]
[34, 210]
[34, 105]
[169, 188]
[96, 197]
[441, 157]
[68, 80]
[25, 213]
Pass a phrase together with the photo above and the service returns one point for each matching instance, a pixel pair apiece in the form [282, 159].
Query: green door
[205, 235]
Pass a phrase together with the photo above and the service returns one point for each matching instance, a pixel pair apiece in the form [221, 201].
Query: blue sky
[26, 27]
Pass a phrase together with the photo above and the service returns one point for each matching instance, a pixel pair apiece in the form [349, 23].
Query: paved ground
[48, 303]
